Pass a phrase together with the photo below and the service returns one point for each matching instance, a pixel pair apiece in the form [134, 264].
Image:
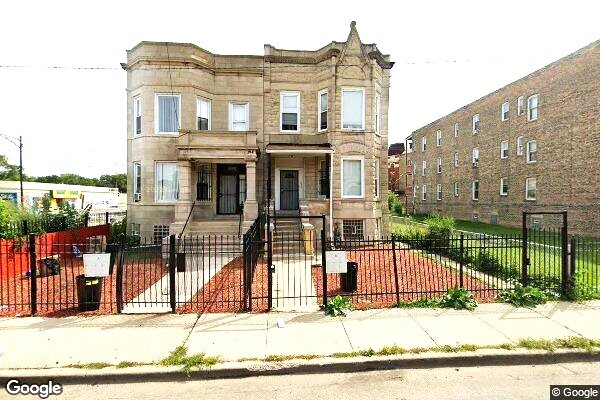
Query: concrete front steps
[219, 226]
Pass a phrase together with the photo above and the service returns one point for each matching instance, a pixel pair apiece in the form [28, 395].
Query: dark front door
[288, 183]
[228, 188]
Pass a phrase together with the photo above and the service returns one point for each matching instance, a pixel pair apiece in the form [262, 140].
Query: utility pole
[20, 146]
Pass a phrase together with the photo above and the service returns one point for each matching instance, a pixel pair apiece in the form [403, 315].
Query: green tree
[8, 172]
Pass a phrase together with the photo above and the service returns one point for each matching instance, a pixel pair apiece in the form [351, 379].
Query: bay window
[323, 109]
[166, 181]
[353, 109]
[238, 117]
[168, 114]
[203, 114]
[352, 177]
[289, 112]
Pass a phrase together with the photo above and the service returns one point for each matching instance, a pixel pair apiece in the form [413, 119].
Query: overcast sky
[447, 54]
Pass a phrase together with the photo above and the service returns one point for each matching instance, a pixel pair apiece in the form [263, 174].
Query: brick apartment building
[532, 145]
[214, 139]
[397, 170]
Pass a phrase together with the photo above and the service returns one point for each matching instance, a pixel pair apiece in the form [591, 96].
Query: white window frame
[527, 197]
[529, 108]
[157, 113]
[438, 138]
[529, 152]
[281, 95]
[520, 146]
[439, 165]
[424, 192]
[502, 181]
[505, 109]
[423, 144]
[319, 94]
[520, 105]
[456, 159]
[476, 121]
[377, 171]
[137, 112]
[475, 160]
[353, 89]
[208, 102]
[377, 114]
[362, 178]
[247, 106]
[156, 191]
[423, 168]
[455, 189]
[473, 184]
[456, 129]
[439, 192]
[137, 173]
[504, 149]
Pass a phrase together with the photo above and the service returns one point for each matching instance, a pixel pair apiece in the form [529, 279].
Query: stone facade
[565, 133]
[190, 72]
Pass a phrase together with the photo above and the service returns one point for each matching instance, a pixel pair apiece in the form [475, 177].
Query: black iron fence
[287, 266]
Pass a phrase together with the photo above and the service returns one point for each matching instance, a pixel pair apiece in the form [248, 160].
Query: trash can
[88, 292]
[349, 279]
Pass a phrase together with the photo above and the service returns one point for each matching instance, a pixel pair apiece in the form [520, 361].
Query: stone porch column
[250, 205]
[184, 204]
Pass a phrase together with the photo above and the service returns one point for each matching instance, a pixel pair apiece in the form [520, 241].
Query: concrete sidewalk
[37, 342]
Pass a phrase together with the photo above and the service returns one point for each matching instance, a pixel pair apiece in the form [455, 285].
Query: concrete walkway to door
[38, 342]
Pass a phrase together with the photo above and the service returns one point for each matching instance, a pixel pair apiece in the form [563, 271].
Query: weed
[421, 303]
[523, 296]
[537, 344]
[96, 365]
[459, 299]
[179, 357]
[338, 306]
[390, 351]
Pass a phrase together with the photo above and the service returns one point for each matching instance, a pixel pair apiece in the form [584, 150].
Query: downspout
[331, 195]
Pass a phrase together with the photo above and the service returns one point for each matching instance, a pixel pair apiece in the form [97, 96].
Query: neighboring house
[217, 138]
[397, 169]
[532, 145]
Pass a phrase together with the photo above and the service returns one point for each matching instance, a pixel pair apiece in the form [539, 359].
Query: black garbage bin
[88, 292]
[349, 279]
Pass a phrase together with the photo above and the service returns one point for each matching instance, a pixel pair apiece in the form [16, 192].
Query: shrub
[338, 306]
[459, 299]
[395, 204]
[118, 234]
[524, 296]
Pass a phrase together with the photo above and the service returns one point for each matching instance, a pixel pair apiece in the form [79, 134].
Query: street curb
[231, 370]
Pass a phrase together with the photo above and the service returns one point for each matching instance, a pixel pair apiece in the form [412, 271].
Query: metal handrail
[188, 218]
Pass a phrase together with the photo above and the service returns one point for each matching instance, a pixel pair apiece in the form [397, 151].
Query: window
[520, 105]
[377, 115]
[353, 109]
[455, 189]
[243, 188]
[204, 186]
[530, 189]
[167, 185]
[423, 144]
[475, 157]
[137, 182]
[424, 192]
[439, 192]
[475, 123]
[456, 159]
[238, 116]
[323, 109]
[376, 179]
[439, 166]
[424, 168]
[532, 107]
[353, 229]
[324, 178]
[137, 116]
[520, 146]
[135, 229]
[503, 187]
[438, 138]
[352, 178]
[475, 190]
[504, 149]
[456, 129]
[159, 232]
[203, 114]
[531, 151]
[289, 111]
[505, 109]
[169, 116]
[409, 145]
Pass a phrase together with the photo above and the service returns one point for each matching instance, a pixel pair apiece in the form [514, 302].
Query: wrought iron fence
[286, 269]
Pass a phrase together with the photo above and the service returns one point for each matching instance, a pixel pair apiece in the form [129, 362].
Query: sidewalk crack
[493, 327]
[346, 332]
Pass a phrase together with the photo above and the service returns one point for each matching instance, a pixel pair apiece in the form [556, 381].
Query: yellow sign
[65, 194]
